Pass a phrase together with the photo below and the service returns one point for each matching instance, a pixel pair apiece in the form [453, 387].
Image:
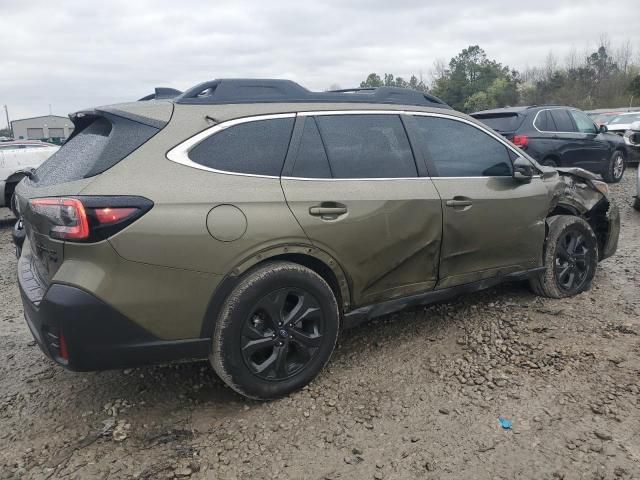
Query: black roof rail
[162, 93]
[223, 91]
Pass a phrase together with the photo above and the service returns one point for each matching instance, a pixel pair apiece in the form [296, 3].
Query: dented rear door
[352, 183]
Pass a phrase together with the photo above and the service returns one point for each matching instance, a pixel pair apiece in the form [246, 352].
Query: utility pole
[6, 112]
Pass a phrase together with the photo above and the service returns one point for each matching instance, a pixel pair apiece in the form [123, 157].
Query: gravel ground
[412, 395]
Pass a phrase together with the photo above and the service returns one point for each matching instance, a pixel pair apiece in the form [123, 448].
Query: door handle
[328, 209]
[458, 203]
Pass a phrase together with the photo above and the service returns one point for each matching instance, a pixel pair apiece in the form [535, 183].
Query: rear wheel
[615, 168]
[276, 331]
[570, 258]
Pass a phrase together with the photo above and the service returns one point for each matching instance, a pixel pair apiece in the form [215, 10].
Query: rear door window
[256, 148]
[366, 146]
[562, 119]
[311, 161]
[458, 149]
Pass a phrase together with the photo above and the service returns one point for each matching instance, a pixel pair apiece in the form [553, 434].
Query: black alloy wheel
[572, 261]
[282, 334]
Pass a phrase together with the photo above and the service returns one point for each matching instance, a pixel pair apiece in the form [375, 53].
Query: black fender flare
[230, 281]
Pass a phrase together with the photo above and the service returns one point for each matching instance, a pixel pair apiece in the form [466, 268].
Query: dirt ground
[412, 395]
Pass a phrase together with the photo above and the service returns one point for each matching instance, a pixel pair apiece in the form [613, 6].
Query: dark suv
[560, 137]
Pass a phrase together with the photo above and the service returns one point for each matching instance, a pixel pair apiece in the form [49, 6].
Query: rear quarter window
[98, 146]
[256, 147]
[544, 122]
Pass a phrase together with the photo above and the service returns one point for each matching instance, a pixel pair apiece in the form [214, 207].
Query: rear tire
[570, 258]
[275, 331]
[615, 168]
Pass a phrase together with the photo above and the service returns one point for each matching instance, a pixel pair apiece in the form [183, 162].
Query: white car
[622, 122]
[632, 139]
[16, 157]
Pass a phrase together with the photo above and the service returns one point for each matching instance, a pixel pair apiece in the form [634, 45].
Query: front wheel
[275, 331]
[570, 258]
[615, 168]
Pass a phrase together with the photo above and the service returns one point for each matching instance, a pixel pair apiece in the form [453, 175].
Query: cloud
[77, 54]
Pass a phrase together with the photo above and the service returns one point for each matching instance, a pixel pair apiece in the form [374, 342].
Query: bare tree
[550, 65]
[571, 60]
[438, 70]
[624, 55]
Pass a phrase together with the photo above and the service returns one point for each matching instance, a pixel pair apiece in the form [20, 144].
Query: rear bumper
[96, 336]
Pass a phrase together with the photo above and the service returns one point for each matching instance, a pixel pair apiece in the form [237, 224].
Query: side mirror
[603, 128]
[522, 170]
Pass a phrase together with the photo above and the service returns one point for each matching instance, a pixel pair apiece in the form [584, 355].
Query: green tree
[471, 73]
[5, 132]
[374, 80]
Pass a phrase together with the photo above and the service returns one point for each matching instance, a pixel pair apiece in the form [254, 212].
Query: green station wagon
[248, 221]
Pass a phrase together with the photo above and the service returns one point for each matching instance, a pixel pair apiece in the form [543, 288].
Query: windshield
[603, 117]
[625, 119]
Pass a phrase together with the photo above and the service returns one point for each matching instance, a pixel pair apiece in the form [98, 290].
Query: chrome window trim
[482, 128]
[180, 153]
[548, 110]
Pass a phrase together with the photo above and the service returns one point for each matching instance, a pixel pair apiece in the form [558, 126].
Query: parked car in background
[560, 136]
[632, 139]
[247, 221]
[636, 200]
[16, 158]
[601, 118]
[622, 122]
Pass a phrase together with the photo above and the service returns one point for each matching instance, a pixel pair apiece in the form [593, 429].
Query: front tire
[570, 258]
[275, 331]
[615, 168]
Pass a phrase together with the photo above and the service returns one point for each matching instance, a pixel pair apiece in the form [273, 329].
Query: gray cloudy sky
[76, 54]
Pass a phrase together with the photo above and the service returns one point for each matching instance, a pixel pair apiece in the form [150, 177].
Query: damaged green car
[248, 221]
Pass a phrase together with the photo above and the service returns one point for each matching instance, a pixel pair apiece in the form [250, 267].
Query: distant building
[50, 128]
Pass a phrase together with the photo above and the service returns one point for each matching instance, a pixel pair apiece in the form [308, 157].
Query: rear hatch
[505, 123]
[49, 202]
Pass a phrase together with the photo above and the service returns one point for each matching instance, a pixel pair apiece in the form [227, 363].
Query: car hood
[619, 127]
[578, 172]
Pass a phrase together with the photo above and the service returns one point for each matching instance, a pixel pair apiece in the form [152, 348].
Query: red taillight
[520, 141]
[113, 215]
[67, 215]
[87, 219]
[64, 351]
